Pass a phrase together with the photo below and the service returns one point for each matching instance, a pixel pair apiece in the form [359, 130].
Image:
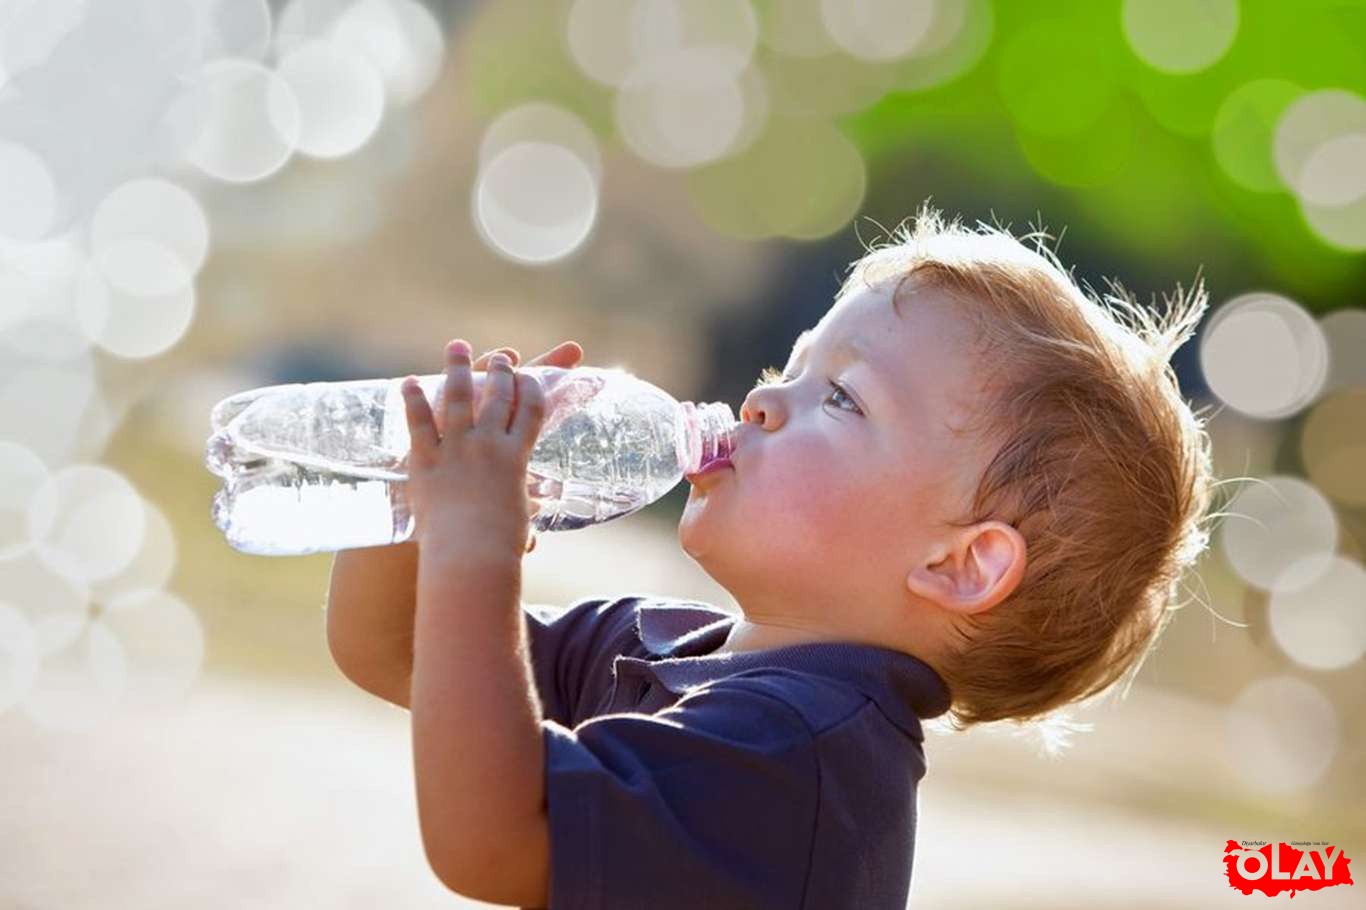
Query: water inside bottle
[323, 468]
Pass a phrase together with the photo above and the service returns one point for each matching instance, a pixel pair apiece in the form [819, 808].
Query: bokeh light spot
[959, 37]
[878, 30]
[28, 193]
[1264, 355]
[1345, 330]
[1339, 226]
[21, 473]
[1276, 522]
[680, 109]
[42, 405]
[80, 677]
[151, 568]
[87, 520]
[1309, 122]
[1281, 734]
[535, 202]
[340, 98]
[795, 28]
[1243, 130]
[131, 323]
[153, 210]
[801, 178]
[1093, 158]
[1180, 36]
[825, 86]
[599, 37]
[727, 29]
[1322, 624]
[1334, 174]
[249, 121]
[161, 641]
[1333, 446]
[400, 38]
[538, 121]
[235, 28]
[143, 267]
[302, 21]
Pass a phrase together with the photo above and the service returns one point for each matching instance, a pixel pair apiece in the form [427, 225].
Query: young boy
[972, 492]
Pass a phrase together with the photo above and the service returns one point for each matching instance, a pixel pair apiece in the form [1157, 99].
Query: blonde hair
[1099, 464]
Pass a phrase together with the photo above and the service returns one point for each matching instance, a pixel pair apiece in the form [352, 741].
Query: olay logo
[1274, 868]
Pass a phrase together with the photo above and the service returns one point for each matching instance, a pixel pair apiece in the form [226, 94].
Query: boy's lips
[720, 464]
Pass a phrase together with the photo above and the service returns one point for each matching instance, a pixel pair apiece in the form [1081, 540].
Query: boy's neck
[746, 635]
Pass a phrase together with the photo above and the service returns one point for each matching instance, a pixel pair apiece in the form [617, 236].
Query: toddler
[972, 493]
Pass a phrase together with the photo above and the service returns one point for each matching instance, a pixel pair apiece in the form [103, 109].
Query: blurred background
[199, 197]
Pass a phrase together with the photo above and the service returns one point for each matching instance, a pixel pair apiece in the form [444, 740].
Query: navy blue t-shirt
[779, 778]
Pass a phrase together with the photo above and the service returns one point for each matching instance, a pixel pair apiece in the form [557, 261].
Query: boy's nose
[756, 408]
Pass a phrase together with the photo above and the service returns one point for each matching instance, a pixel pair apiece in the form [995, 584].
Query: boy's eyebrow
[851, 348]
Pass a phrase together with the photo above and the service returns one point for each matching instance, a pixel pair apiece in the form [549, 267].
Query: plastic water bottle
[308, 467]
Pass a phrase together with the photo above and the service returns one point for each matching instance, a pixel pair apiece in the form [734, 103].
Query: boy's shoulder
[687, 631]
[821, 702]
[670, 640]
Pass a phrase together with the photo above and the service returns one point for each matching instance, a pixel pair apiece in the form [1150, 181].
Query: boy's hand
[467, 483]
[566, 354]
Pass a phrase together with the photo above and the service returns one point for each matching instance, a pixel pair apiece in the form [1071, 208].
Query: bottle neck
[710, 433]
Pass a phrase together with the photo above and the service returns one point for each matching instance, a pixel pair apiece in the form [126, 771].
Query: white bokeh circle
[28, 193]
[1274, 523]
[87, 520]
[1281, 734]
[1264, 355]
[1322, 624]
[21, 473]
[248, 121]
[130, 325]
[340, 98]
[680, 110]
[154, 210]
[535, 202]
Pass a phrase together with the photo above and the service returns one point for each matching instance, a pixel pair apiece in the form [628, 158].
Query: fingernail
[459, 347]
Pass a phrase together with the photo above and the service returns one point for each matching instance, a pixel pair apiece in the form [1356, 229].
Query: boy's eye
[839, 390]
[771, 376]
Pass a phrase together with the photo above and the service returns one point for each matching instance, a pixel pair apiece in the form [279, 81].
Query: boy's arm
[371, 602]
[478, 756]
[373, 592]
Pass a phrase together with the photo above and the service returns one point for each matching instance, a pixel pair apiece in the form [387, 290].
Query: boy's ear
[974, 570]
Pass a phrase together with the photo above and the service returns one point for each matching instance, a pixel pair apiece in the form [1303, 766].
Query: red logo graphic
[1273, 868]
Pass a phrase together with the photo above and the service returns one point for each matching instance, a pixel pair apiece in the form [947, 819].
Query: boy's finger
[483, 362]
[526, 423]
[495, 408]
[564, 354]
[459, 391]
[421, 430]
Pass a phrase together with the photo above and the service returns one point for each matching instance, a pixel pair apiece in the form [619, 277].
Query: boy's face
[827, 509]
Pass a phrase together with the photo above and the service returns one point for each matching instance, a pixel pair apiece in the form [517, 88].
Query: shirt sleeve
[569, 645]
[710, 802]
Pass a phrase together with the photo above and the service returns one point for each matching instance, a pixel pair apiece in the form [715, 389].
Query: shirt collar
[680, 639]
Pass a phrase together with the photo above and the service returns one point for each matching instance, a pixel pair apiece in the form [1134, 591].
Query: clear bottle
[310, 467]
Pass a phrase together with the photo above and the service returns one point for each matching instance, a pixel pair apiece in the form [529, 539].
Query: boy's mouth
[712, 467]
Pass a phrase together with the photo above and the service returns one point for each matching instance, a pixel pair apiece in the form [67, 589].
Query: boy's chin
[698, 532]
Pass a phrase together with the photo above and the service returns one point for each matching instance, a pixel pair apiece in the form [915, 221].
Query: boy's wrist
[475, 539]
[471, 567]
